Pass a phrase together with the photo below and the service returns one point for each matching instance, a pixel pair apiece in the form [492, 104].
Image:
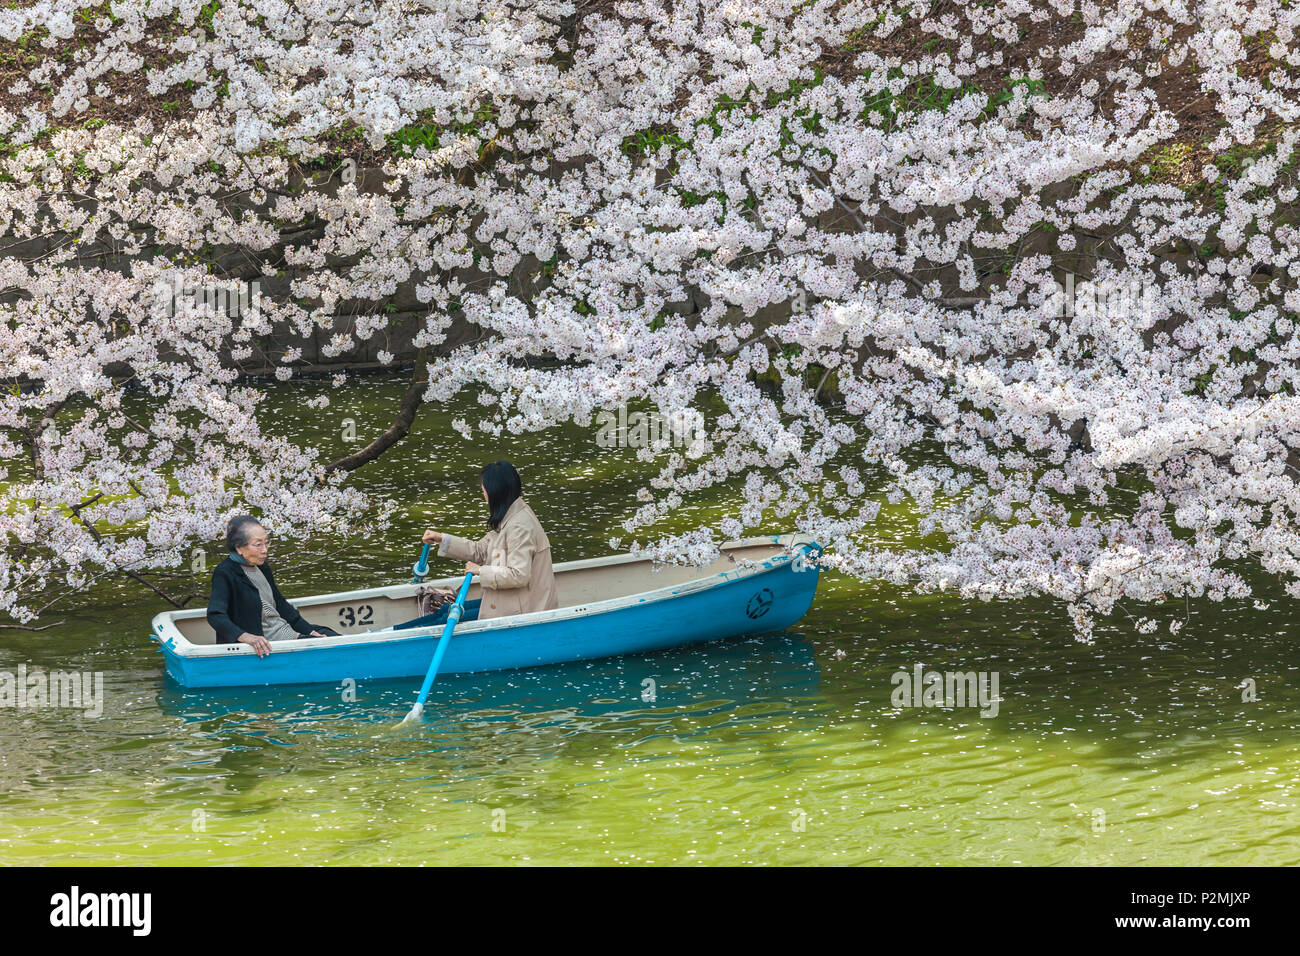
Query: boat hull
[725, 606]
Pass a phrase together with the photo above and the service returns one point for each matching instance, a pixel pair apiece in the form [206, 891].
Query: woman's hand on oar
[421, 569]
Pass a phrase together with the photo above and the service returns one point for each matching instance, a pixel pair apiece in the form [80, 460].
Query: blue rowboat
[620, 604]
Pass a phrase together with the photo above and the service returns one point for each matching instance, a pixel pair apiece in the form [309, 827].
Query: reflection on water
[713, 679]
[778, 749]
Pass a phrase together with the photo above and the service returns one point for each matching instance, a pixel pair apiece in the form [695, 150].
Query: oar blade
[413, 716]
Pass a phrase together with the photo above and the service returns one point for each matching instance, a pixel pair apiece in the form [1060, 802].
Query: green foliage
[1032, 88]
[923, 94]
[1233, 160]
[424, 133]
[796, 87]
[1167, 162]
[647, 142]
[860, 37]
[1232, 163]
[725, 105]
[690, 199]
[482, 116]
[410, 138]
[206, 15]
[758, 31]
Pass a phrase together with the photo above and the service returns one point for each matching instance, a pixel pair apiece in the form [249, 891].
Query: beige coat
[515, 564]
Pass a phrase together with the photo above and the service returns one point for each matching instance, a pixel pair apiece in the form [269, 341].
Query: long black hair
[501, 482]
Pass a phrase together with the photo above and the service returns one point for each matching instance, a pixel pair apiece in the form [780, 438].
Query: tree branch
[400, 428]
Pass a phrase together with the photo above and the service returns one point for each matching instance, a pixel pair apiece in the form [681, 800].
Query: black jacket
[236, 606]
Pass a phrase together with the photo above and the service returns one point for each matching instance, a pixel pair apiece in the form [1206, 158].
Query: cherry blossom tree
[875, 201]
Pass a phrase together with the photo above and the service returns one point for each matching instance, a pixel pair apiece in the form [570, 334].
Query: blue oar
[421, 569]
[453, 617]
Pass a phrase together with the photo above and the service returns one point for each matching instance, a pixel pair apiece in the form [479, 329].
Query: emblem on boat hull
[760, 603]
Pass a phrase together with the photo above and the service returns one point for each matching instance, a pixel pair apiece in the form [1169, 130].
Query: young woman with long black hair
[513, 560]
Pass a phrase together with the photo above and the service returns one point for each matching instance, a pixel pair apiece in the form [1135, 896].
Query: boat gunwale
[172, 641]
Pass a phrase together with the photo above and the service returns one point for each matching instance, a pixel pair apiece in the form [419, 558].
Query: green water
[783, 749]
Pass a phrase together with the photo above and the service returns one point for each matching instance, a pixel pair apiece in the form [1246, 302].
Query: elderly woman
[246, 606]
[513, 560]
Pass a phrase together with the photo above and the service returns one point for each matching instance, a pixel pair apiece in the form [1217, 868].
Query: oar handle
[421, 568]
